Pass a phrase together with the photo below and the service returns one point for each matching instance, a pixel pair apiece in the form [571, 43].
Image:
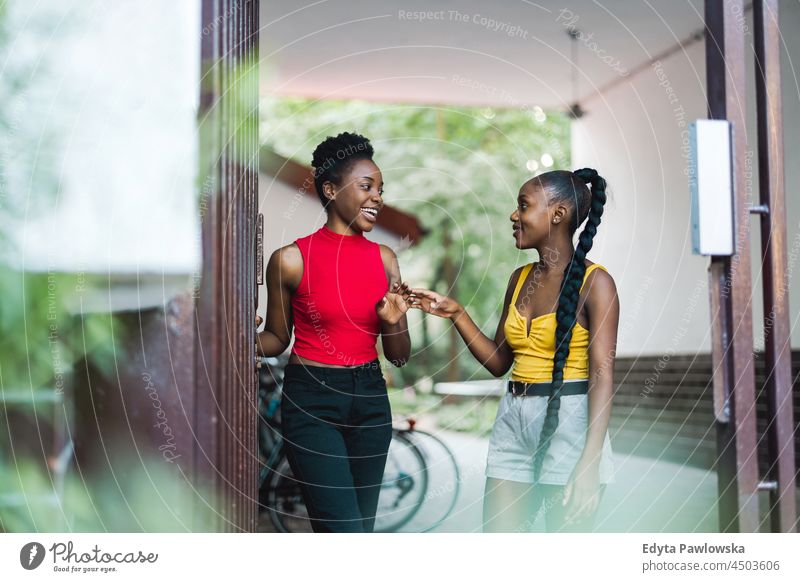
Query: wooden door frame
[226, 452]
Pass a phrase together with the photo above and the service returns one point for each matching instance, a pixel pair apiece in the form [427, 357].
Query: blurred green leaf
[139, 495]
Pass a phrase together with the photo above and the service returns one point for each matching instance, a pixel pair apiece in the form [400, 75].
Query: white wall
[110, 110]
[635, 136]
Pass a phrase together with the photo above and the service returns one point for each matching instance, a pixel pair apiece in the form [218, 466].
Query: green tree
[459, 169]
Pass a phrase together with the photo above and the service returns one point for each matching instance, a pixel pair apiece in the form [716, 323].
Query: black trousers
[337, 426]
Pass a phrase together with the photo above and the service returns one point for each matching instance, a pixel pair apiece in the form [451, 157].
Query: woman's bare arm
[494, 354]
[582, 490]
[602, 302]
[284, 272]
[394, 336]
[603, 309]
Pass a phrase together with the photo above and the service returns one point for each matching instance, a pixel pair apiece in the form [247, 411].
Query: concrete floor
[648, 495]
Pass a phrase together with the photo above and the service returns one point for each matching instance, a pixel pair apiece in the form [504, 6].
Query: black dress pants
[337, 426]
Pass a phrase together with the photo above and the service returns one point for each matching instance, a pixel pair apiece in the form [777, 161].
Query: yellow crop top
[533, 355]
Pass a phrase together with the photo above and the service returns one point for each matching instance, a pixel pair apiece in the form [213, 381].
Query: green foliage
[466, 415]
[229, 124]
[406, 402]
[139, 495]
[40, 339]
[472, 416]
[459, 171]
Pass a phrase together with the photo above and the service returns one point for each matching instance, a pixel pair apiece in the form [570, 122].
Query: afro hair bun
[333, 157]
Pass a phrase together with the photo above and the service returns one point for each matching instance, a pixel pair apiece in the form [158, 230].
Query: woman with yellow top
[549, 445]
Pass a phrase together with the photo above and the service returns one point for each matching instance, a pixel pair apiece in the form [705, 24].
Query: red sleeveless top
[334, 306]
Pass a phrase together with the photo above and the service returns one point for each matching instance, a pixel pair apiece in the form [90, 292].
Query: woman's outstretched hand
[434, 303]
[394, 304]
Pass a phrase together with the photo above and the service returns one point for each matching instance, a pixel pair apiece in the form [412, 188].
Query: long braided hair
[569, 187]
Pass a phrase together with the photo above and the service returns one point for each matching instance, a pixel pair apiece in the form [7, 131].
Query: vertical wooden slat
[207, 332]
[236, 428]
[223, 455]
[226, 309]
[731, 280]
[229, 244]
[777, 355]
[251, 409]
[257, 277]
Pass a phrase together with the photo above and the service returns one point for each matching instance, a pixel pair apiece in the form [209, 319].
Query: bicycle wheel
[443, 474]
[268, 426]
[268, 440]
[405, 481]
[284, 500]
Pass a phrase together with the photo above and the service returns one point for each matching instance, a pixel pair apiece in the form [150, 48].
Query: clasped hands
[400, 298]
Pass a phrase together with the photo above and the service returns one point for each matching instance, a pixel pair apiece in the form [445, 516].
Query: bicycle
[404, 488]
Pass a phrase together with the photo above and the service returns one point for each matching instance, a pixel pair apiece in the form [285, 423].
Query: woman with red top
[339, 292]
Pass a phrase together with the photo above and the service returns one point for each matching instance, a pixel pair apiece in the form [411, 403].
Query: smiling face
[531, 219]
[359, 198]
